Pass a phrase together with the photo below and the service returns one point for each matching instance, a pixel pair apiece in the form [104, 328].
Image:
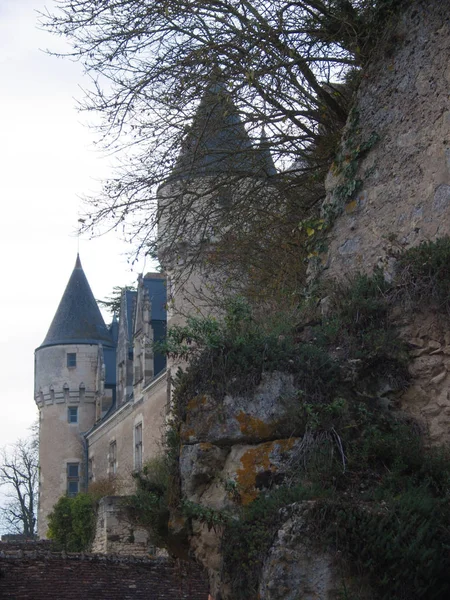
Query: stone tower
[74, 387]
[217, 167]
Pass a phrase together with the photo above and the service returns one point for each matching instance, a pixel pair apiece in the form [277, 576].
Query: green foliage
[402, 544]
[112, 303]
[359, 333]
[346, 165]
[423, 274]
[230, 355]
[348, 351]
[71, 524]
[209, 516]
[148, 507]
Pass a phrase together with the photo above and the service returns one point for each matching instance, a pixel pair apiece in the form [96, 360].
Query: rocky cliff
[245, 454]
[403, 184]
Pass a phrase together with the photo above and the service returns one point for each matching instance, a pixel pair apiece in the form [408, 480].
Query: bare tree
[273, 64]
[19, 473]
[150, 62]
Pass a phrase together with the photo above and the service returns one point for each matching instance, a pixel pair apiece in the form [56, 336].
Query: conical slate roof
[78, 319]
[266, 159]
[217, 141]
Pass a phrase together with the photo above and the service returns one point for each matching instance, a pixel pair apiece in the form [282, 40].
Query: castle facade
[103, 392]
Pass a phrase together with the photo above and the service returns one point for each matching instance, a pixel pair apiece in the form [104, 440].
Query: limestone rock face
[230, 453]
[199, 465]
[240, 419]
[295, 569]
[428, 396]
[404, 194]
[233, 450]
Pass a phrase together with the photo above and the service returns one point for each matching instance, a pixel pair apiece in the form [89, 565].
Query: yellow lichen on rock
[252, 426]
[256, 460]
[196, 402]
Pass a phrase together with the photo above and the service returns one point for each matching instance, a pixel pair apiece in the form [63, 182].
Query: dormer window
[71, 360]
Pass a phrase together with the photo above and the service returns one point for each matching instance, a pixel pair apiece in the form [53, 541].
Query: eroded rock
[263, 415]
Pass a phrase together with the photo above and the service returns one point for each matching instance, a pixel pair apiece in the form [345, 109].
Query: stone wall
[114, 533]
[42, 575]
[404, 197]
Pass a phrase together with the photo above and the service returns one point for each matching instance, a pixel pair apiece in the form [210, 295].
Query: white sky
[47, 161]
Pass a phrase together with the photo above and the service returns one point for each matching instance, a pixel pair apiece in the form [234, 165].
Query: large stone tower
[218, 169]
[74, 386]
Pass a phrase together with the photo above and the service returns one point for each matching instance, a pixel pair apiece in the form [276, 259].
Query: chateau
[102, 392]
[344, 442]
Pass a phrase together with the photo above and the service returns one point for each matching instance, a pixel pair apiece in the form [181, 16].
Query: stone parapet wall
[115, 534]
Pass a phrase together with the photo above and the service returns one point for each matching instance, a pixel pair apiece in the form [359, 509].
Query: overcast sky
[47, 162]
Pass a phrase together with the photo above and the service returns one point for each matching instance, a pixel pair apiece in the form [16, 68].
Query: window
[73, 479]
[72, 414]
[138, 447]
[90, 470]
[112, 458]
[71, 360]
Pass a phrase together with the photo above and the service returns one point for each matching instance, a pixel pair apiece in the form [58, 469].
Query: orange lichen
[254, 461]
[186, 434]
[253, 427]
[351, 206]
[196, 402]
[205, 446]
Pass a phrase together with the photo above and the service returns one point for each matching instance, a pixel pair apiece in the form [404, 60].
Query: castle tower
[218, 168]
[74, 386]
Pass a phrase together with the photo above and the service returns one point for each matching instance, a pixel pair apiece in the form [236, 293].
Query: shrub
[72, 523]
[148, 507]
[230, 355]
[423, 274]
[106, 486]
[402, 545]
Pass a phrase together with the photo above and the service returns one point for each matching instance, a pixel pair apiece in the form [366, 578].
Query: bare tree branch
[19, 473]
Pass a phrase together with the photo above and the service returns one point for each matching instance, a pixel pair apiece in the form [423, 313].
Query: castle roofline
[78, 319]
[74, 342]
[217, 142]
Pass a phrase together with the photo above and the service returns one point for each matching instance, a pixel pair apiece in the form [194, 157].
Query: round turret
[69, 388]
